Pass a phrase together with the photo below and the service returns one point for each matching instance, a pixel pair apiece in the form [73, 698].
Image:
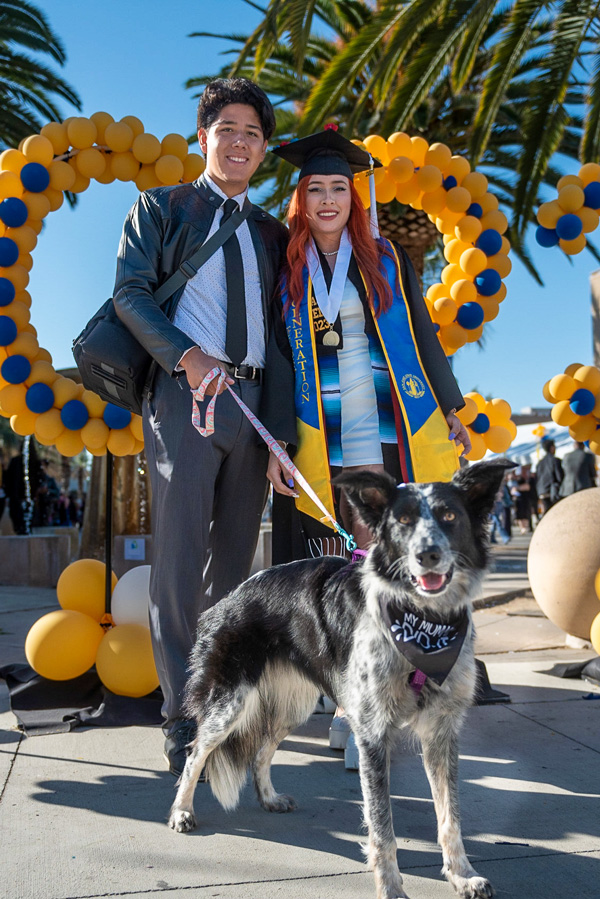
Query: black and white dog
[389, 637]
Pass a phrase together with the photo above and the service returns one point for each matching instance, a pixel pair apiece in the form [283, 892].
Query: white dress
[361, 443]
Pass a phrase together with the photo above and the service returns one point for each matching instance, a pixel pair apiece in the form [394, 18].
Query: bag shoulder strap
[189, 267]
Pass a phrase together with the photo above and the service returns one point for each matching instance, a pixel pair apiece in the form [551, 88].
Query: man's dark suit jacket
[164, 228]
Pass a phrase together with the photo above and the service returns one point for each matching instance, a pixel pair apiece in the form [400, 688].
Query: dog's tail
[227, 769]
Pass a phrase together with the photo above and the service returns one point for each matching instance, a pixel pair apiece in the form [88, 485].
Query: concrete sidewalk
[83, 814]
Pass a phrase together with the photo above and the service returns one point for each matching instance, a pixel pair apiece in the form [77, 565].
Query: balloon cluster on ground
[66, 643]
[66, 156]
[575, 212]
[575, 398]
[457, 200]
[489, 425]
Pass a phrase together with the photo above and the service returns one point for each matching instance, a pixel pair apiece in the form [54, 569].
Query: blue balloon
[476, 210]
[39, 398]
[449, 182]
[13, 212]
[470, 316]
[582, 401]
[115, 417]
[35, 177]
[9, 252]
[592, 194]
[7, 292]
[8, 330]
[16, 369]
[569, 226]
[488, 282]
[546, 237]
[489, 241]
[481, 424]
[74, 415]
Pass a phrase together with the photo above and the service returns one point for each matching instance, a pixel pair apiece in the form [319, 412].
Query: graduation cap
[326, 153]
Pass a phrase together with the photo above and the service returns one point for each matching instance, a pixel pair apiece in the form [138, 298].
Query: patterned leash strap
[208, 429]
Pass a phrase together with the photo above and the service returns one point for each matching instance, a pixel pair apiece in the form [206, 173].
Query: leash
[282, 456]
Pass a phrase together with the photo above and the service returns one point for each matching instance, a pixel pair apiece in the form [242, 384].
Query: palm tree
[443, 114]
[27, 86]
[409, 47]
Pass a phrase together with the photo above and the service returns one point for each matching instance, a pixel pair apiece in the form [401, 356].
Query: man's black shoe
[176, 748]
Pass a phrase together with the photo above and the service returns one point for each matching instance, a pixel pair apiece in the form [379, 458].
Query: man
[579, 467]
[549, 475]
[207, 493]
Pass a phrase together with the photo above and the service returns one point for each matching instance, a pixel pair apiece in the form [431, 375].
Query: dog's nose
[430, 557]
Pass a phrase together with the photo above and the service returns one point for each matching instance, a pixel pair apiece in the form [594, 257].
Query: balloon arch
[65, 156]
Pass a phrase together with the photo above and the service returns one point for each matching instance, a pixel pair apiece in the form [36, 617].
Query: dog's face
[431, 540]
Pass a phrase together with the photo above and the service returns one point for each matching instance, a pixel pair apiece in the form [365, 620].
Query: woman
[374, 389]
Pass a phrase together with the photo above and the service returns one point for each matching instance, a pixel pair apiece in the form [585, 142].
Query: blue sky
[132, 57]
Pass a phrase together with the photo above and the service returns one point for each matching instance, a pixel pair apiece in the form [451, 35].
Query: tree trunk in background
[131, 502]
[411, 228]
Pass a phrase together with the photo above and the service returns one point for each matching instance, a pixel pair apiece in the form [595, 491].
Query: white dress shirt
[202, 310]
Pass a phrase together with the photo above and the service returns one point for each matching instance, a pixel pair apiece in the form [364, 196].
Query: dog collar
[431, 646]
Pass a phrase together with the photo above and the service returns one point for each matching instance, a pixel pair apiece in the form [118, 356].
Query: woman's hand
[458, 432]
[279, 477]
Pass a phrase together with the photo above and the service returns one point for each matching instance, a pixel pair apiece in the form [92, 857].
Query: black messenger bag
[110, 360]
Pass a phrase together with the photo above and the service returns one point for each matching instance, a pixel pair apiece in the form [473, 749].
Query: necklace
[329, 254]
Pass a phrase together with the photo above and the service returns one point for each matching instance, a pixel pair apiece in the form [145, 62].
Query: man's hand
[197, 365]
[279, 477]
[458, 432]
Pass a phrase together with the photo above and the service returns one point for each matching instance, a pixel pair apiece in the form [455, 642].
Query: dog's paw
[279, 803]
[473, 887]
[182, 822]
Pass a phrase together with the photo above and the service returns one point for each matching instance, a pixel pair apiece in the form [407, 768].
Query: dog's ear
[369, 492]
[480, 484]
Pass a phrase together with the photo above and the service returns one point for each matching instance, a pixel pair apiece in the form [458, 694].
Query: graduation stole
[421, 425]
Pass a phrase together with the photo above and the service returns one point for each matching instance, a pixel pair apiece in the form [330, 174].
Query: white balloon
[131, 597]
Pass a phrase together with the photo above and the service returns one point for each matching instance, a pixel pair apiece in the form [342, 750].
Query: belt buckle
[237, 373]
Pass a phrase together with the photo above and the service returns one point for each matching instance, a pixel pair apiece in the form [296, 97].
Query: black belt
[242, 372]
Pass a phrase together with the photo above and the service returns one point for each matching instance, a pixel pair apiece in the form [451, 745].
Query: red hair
[367, 251]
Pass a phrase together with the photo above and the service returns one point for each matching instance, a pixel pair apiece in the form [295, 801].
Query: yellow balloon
[147, 148]
[69, 443]
[475, 334]
[401, 169]
[468, 229]
[49, 425]
[473, 261]
[124, 166]
[146, 178]
[501, 264]
[595, 634]
[444, 311]
[488, 203]
[434, 202]
[385, 191]
[42, 372]
[469, 412]
[571, 198]
[589, 219]
[454, 250]
[429, 178]
[107, 176]
[63, 644]
[463, 291]
[19, 313]
[589, 172]
[490, 308]
[478, 447]
[23, 423]
[82, 132]
[121, 442]
[377, 147]
[65, 389]
[24, 237]
[459, 167]
[193, 166]
[418, 149]
[12, 161]
[451, 273]
[38, 206]
[90, 162]
[563, 415]
[25, 344]
[399, 144]
[57, 134]
[136, 125]
[498, 439]
[562, 387]
[81, 587]
[12, 399]
[476, 183]
[174, 145]
[568, 179]
[169, 169]
[572, 368]
[38, 148]
[438, 155]
[136, 427]
[95, 433]
[118, 137]
[497, 411]
[436, 292]
[572, 247]
[101, 120]
[408, 191]
[454, 335]
[478, 399]
[125, 661]
[458, 199]
[494, 220]
[584, 429]
[588, 376]
[93, 403]
[10, 185]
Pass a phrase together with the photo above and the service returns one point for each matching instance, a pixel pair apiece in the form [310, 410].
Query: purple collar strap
[358, 554]
[417, 680]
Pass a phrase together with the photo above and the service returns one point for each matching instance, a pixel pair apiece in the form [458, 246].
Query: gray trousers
[208, 494]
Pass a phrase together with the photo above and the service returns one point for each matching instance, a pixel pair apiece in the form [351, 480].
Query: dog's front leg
[374, 761]
[439, 738]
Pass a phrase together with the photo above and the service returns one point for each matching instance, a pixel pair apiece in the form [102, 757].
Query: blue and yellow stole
[426, 453]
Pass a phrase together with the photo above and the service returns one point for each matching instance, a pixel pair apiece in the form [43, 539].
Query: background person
[549, 474]
[579, 467]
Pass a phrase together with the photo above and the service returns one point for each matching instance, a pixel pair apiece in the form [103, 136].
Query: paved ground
[83, 814]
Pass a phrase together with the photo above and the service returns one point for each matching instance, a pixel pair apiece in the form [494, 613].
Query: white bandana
[329, 301]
